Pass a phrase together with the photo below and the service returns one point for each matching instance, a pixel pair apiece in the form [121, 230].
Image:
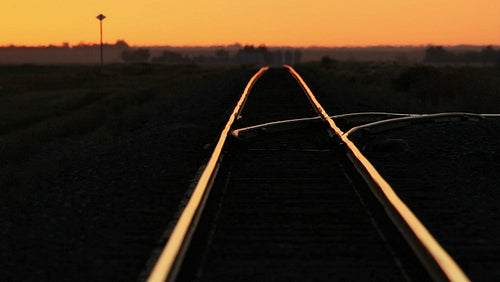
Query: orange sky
[270, 22]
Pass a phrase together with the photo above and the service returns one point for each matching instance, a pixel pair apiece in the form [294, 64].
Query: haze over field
[269, 22]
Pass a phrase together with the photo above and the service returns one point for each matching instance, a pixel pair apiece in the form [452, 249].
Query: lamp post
[101, 17]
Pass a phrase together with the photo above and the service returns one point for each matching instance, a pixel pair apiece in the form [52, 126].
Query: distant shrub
[415, 75]
[325, 60]
[136, 69]
[136, 56]
[171, 58]
[407, 88]
[437, 54]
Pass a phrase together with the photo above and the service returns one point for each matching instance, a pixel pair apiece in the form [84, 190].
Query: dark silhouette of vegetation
[298, 56]
[250, 49]
[45, 104]
[82, 53]
[170, 57]
[221, 53]
[288, 57]
[325, 60]
[263, 56]
[136, 56]
[437, 54]
[122, 44]
[405, 88]
[278, 57]
[253, 55]
[413, 76]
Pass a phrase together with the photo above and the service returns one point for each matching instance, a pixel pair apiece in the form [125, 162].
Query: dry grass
[60, 109]
[406, 88]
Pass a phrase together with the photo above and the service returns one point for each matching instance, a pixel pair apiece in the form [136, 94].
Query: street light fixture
[101, 17]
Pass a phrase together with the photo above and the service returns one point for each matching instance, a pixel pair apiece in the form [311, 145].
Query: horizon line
[256, 45]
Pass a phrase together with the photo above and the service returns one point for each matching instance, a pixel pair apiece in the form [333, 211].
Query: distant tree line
[120, 51]
[171, 57]
[264, 56]
[437, 54]
[248, 54]
[82, 53]
[136, 56]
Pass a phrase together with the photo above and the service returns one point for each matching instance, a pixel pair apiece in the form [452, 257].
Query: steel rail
[367, 117]
[432, 255]
[271, 127]
[167, 265]
[382, 114]
[383, 125]
[491, 115]
[319, 109]
[283, 125]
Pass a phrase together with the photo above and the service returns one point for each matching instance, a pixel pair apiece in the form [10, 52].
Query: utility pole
[101, 17]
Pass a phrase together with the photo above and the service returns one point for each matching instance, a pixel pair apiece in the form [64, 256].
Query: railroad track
[287, 195]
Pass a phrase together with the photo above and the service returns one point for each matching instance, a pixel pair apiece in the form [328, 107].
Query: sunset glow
[269, 22]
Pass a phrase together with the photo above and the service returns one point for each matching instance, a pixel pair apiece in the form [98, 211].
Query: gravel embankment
[449, 178]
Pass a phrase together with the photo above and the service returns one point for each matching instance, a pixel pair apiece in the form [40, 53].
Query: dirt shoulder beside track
[449, 178]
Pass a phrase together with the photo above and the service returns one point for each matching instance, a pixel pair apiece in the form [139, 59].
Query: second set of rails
[296, 199]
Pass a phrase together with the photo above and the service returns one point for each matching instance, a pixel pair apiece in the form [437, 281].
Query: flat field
[395, 87]
[93, 166]
[86, 157]
[49, 113]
